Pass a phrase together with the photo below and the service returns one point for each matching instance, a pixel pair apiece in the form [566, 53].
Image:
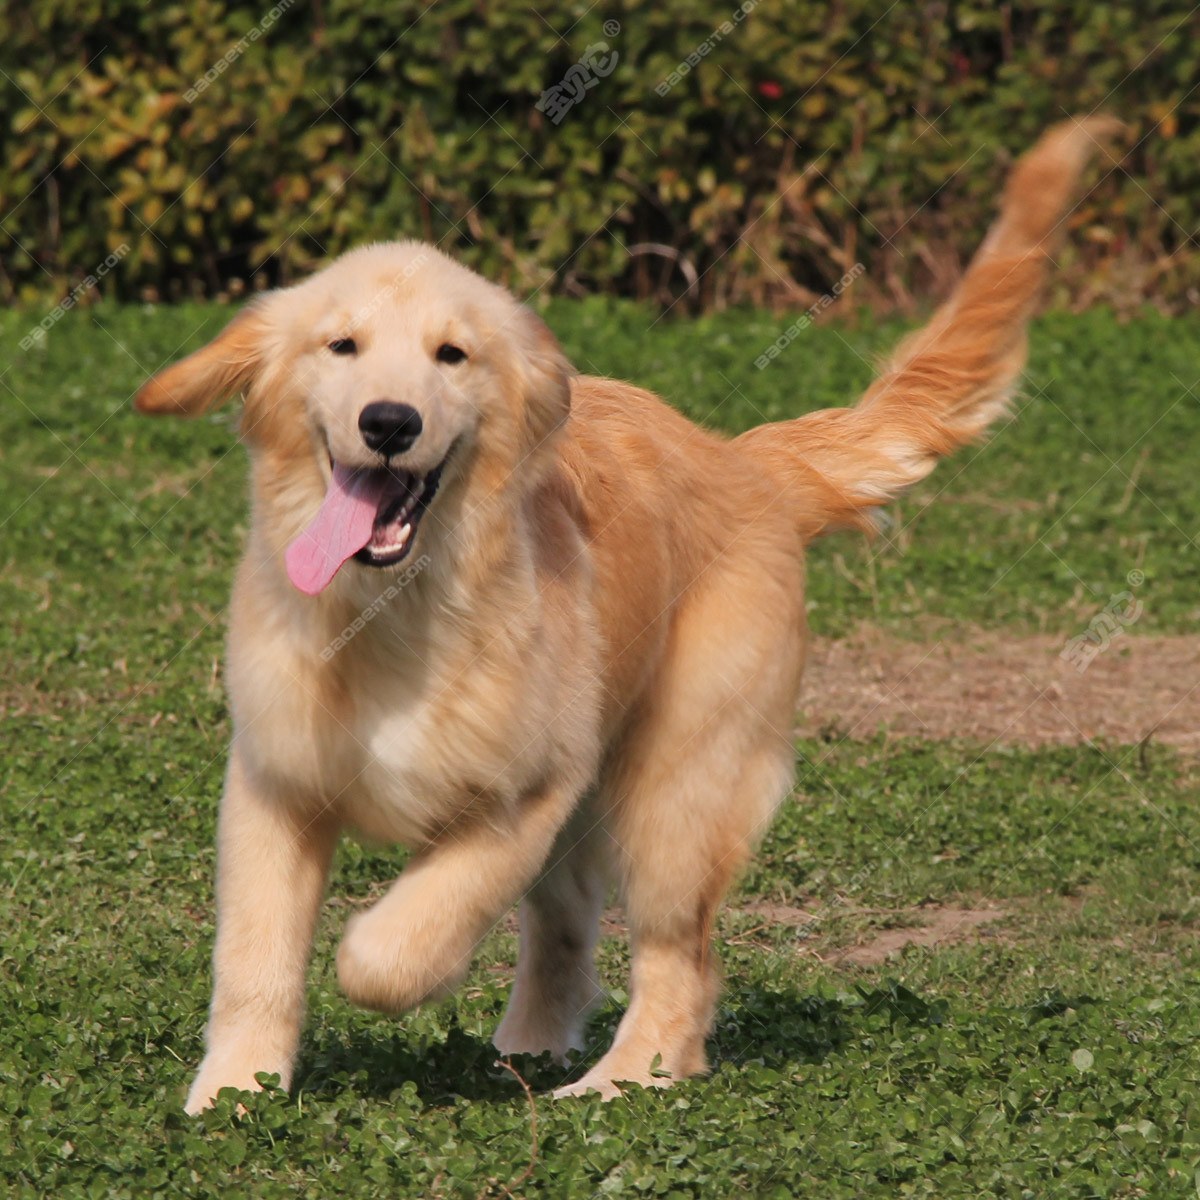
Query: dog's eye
[447, 353]
[343, 346]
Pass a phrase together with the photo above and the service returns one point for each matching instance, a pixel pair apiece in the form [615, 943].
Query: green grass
[1037, 529]
[1051, 1056]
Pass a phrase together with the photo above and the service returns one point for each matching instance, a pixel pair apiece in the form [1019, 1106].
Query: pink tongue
[339, 531]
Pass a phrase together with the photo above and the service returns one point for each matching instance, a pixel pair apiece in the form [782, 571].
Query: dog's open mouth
[369, 514]
[403, 503]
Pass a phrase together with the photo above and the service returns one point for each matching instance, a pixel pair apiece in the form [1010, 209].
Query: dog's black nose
[388, 427]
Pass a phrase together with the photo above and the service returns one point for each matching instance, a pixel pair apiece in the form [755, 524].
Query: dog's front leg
[272, 864]
[417, 942]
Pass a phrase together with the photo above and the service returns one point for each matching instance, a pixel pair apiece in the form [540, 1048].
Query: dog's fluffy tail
[949, 381]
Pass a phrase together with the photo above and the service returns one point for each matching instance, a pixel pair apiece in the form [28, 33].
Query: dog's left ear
[546, 380]
[213, 373]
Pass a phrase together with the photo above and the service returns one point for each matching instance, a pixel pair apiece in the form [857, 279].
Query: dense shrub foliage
[232, 144]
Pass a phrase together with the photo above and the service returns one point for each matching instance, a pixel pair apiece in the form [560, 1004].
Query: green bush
[807, 138]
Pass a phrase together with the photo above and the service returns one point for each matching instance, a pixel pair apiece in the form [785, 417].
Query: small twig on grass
[1144, 750]
[527, 1174]
[1131, 482]
[742, 938]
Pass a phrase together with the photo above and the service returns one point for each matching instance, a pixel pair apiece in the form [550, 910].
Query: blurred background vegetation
[808, 137]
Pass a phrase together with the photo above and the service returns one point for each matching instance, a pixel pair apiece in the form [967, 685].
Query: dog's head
[388, 380]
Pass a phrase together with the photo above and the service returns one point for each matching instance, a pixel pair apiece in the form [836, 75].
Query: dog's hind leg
[556, 984]
[689, 796]
[417, 942]
[675, 879]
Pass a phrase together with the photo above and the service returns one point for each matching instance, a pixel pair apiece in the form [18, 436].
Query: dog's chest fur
[399, 736]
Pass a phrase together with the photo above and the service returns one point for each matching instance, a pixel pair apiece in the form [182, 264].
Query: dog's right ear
[213, 373]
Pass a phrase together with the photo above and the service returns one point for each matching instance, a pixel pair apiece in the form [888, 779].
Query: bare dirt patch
[938, 927]
[992, 687]
[932, 925]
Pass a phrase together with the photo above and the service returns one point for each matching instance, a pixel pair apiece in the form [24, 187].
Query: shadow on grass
[377, 1062]
[776, 1028]
[779, 1029]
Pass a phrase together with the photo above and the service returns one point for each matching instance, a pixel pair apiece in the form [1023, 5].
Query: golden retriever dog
[538, 627]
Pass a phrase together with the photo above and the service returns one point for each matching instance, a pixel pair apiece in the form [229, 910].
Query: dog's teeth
[404, 532]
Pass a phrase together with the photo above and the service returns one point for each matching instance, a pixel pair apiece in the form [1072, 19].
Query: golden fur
[591, 676]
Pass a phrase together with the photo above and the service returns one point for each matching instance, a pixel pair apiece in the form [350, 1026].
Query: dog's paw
[386, 968]
[216, 1074]
[517, 1035]
[599, 1083]
[606, 1089]
[203, 1092]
